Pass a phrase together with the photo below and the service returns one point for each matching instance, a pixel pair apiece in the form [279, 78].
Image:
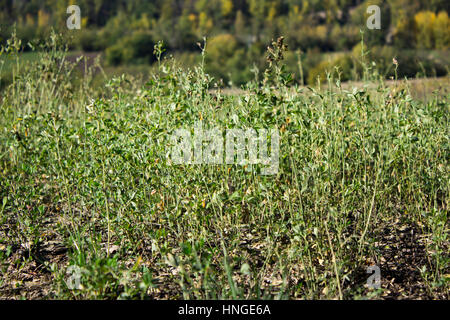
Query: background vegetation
[413, 31]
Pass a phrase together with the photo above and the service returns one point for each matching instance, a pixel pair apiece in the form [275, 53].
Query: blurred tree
[240, 31]
[441, 30]
[227, 7]
[205, 25]
[431, 30]
[424, 30]
[220, 50]
[257, 9]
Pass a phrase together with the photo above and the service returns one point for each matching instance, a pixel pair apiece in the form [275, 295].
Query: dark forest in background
[320, 34]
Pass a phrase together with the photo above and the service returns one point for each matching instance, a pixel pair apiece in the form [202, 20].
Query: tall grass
[87, 171]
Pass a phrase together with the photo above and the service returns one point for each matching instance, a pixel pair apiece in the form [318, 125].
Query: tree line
[238, 31]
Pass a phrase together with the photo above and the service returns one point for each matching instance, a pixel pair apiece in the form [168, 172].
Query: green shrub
[137, 48]
[343, 67]
[410, 63]
[220, 51]
[89, 40]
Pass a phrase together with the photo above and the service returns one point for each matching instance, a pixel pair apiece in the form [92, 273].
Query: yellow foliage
[227, 7]
[205, 24]
[321, 32]
[84, 22]
[192, 17]
[144, 21]
[220, 49]
[432, 31]
[43, 18]
[424, 21]
[29, 20]
[442, 30]
[272, 12]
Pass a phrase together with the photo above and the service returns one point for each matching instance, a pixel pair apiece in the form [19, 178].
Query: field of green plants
[91, 207]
